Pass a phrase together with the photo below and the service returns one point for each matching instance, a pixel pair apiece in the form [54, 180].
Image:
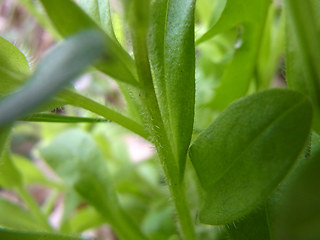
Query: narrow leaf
[15, 235]
[55, 118]
[69, 19]
[241, 158]
[60, 66]
[172, 55]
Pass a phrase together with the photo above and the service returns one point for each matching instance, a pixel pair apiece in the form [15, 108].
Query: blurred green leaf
[99, 11]
[9, 175]
[14, 66]
[30, 173]
[252, 227]
[16, 235]
[15, 217]
[302, 52]
[85, 219]
[86, 171]
[251, 15]
[172, 55]
[61, 65]
[241, 158]
[69, 19]
[298, 217]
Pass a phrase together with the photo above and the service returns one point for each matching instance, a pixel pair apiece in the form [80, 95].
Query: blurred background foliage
[131, 162]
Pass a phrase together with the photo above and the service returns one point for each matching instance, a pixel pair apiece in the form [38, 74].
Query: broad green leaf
[86, 171]
[237, 75]
[69, 19]
[252, 227]
[302, 51]
[55, 118]
[298, 217]
[16, 235]
[14, 67]
[241, 158]
[61, 65]
[172, 55]
[15, 217]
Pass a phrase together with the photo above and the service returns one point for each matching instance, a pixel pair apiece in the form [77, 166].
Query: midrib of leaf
[256, 138]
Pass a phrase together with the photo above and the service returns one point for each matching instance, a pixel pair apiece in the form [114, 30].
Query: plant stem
[154, 123]
[78, 100]
[34, 208]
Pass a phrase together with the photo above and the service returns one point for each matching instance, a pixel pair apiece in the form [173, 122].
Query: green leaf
[302, 52]
[86, 171]
[15, 217]
[9, 175]
[252, 227]
[99, 11]
[298, 217]
[241, 158]
[55, 118]
[15, 235]
[30, 173]
[61, 65]
[172, 55]
[69, 19]
[237, 75]
[14, 67]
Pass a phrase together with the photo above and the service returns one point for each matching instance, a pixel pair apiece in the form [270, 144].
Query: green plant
[238, 174]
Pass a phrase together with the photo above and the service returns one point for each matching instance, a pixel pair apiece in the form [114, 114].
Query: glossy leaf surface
[241, 157]
[60, 66]
[69, 19]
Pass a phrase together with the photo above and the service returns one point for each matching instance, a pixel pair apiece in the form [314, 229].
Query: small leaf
[15, 235]
[15, 217]
[241, 158]
[61, 65]
[69, 19]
